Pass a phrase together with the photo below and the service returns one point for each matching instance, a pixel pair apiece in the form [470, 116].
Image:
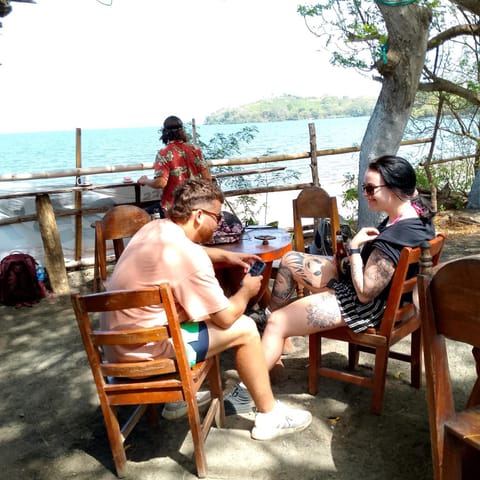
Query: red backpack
[19, 284]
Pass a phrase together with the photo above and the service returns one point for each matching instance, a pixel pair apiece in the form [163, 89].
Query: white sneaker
[175, 410]
[282, 420]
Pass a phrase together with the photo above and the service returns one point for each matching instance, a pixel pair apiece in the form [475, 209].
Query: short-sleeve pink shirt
[161, 252]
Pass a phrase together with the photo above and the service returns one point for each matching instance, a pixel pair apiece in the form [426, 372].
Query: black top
[411, 232]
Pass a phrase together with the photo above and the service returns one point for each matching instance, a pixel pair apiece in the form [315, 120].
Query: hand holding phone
[257, 268]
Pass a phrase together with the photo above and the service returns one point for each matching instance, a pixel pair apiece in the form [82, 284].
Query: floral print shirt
[176, 163]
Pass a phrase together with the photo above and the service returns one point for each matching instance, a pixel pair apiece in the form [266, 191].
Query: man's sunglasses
[217, 216]
[369, 189]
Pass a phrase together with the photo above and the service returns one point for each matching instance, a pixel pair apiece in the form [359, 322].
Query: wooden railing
[46, 215]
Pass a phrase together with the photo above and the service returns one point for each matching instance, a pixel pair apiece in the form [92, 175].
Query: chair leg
[115, 439]
[314, 352]
[379, 379]
[215, 385]
[152, 415]
[452, 458]
[416, 359]
[197, 437]
[474, 398]
[353, 356]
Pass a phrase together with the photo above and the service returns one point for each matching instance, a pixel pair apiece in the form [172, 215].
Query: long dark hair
[399, 175]
[173, 130]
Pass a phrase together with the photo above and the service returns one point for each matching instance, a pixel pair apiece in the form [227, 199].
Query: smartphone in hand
[257, 268]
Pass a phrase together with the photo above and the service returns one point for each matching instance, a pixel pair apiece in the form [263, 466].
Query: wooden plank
[239, 173]
[74, 172]
[268, 189]
[52, 245]
[69, 189]
[313, 154]
[78, 196]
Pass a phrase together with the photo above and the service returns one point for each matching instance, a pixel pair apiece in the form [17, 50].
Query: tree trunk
[474, 195]
[407, 46]
[52, 245]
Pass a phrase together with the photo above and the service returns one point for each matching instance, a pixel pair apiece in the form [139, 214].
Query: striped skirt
[357, 315]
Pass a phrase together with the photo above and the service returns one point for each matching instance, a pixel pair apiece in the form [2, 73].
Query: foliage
[226, 146]
[356, 35]
[455, 176]
[290, 107]
[425, 105]
[353, 31]
[350, 196]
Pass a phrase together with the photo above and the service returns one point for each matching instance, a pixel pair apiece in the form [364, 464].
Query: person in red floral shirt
[175, 163]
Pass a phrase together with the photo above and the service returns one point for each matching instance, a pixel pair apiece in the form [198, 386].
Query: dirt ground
[51, 426]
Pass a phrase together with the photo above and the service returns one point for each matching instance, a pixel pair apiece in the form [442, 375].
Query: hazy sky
[81, 63]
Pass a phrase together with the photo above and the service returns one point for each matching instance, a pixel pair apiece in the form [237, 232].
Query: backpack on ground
[19, 285]
[323, 241]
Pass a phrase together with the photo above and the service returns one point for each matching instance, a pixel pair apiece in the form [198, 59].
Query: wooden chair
[313, 203]
[162, 380]
[399, 320]
[119, 223]
[450, 308]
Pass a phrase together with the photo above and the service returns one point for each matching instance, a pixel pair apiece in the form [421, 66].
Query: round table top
[256, 240]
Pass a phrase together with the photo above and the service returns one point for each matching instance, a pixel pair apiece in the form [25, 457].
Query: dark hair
[173, 130]
[190, 195]
[399, 175]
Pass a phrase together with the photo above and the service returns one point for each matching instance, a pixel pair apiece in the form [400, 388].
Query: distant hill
[289, 107]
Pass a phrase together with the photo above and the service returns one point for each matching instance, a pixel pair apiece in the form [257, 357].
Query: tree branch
[470, 5]
[439, 84]
[458, 30]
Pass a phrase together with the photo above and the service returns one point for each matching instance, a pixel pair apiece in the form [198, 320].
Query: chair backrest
[450, 308]
[86, 306]
[398, 311]
[314, 202]
[119, 223]
[146, 384]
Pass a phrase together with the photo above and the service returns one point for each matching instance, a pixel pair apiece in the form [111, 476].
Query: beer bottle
[341, 255]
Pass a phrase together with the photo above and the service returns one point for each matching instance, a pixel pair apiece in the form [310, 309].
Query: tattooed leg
[311, 271]
[283, 287]
[309, 314]
[321, 313]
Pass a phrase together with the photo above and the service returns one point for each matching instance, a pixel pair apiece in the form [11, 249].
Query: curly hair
[190, 195]
[399, 175]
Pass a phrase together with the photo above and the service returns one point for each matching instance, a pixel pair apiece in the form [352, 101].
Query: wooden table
[255, 241]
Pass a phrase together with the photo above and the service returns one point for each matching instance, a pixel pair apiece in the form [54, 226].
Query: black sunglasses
[369, 189]
[216, 216]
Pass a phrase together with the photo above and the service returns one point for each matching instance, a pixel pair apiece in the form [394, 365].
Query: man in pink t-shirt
[170, 250]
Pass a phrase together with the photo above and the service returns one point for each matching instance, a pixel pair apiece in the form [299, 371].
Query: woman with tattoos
[358, 302]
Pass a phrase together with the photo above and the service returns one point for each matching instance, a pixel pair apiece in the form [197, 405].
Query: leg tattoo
[283, 287]
[319, 315]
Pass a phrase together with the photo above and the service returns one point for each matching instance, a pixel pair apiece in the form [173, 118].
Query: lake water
[46, 151]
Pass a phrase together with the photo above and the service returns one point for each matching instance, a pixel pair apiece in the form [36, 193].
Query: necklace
[407, 213]
[395, 220]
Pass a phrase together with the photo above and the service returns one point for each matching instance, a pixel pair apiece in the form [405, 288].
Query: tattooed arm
[370, 281]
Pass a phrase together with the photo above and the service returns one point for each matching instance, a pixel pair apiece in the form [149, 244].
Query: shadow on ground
[52, 428]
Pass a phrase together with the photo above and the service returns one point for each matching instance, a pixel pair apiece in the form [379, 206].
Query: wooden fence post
[52, 245]
[78, 196]
[313, 154]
